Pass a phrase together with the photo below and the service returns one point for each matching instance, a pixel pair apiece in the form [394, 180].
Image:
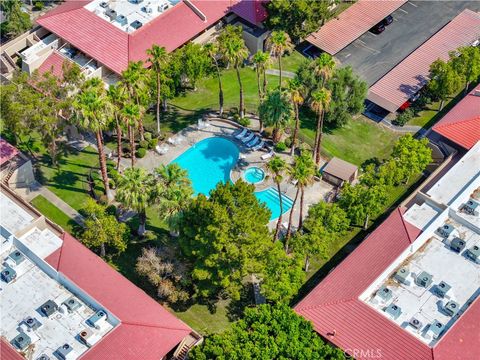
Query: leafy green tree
[444, 80]
[213, 51]
[102, 230]
[92, 113]
[320, 103]
[117, 100]
[276, 167]
[17, 21]
[324, 224]
[267, 332]
[157, 57]
[276, 111]
[280, 43]
[131, 116]
[298, 18]
[295, 90]
[195, 63]
[466, 62]
[134, 191]
[411, 155]
[234, 51]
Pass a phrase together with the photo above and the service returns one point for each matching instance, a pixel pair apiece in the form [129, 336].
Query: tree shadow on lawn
[178, 118]
[308, 120]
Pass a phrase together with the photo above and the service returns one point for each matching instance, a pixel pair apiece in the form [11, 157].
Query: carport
[405, 80]
[351, 23]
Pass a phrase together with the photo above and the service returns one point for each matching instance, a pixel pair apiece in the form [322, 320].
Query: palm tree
[158, 58]
[131, 116]
[233, 49]
[134, 191]
[135, 85]
[92, 109]
[280, 43]
[261, 60]
[324, 66]
[320, 103]
[212, 50]
[276, 167]
[296, 97]
[117, 99]
[275, 111]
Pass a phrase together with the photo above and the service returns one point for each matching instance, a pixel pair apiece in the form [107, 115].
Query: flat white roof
[421, 215]
[13, 217]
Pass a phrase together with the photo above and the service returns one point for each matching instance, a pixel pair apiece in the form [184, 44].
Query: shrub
[152, 143]
[111, 210]
[288, 142]
[267, 132]
[111, 183]
[403, 117]
[113, 174]
[280, 147]
[244, 122]
[141, 152]
[39, 5]
[147, 135]
[143, 144]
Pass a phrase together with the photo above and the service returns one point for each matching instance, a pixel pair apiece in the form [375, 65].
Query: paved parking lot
[372, 56]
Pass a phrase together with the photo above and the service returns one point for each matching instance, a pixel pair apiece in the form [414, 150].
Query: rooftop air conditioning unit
[136, 24]
[384, 293]
[16, 257]
[66, 352]
[442, 288]
[471, 207]
[435, 329]
[415, 323]
[473, 253]
[43, 357]
[8, 274]
[72, 304]
[445, 230]
[147, 9]
[98, 319]
[457, 245]
[401, 275]
[122, 19]
[424, 279]
[49, 308]
[32, 323]
[104, 4]
[451, 308]
[393, 310]
[163, 6]
[88, 337]
[111, 14]
[21, 341]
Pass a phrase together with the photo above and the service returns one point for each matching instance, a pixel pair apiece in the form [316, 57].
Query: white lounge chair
[258, 146]
[241, 134]
[162, 150]
[171, 141]
[253, 142]
[267, 156]
[248, 138]
[200, 124]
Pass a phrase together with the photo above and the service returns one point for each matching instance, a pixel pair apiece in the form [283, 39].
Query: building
[59, 300]
[16, 169]
[103, 36]
[338, 171]
[410, 290]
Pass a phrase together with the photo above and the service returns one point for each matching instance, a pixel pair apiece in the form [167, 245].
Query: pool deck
[191, 135]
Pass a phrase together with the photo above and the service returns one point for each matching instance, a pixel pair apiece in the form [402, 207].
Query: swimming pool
[211, 160]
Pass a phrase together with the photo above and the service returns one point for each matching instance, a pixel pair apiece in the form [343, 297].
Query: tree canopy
[17, 21]
[267, 332]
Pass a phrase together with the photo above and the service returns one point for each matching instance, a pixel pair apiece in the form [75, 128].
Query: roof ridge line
[153, 326]
[441, 126]
[405, 226]
[326, 304]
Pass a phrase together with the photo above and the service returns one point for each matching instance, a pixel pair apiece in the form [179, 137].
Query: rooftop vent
[112, 14]
[457, 245]
[122, 19]
[104, 4]
[451, 308]
[136, 24]
[147, 9]
[98, 319]
[384, 293]
[473, 253]
[88, 337]
[17, 257]
[72, 304]
[8, 274]
[436, 329]
[32, 323]
[393, 310]
[401, 275]
[49, 308]
[442, 288]
[43, 357]
[163, 7]
[471, 207]
[21, 341]
[446, 230]
[424, 279]
[415, 323]
[65, 352]
[136, 1]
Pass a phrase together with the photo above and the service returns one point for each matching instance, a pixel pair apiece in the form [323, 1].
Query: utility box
[457, 245]
[393, 310]
[401, 275]
[424, 279]
[442, 288]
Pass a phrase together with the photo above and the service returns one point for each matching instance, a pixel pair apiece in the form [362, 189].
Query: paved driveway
[372, 56]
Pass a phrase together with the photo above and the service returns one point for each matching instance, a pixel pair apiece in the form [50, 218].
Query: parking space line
[412, 4]
[406, 12]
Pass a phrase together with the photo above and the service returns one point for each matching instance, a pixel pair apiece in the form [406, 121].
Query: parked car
[388, 20]
[377, 29]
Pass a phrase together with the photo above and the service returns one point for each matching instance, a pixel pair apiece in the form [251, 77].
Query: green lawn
[290, 62]
[53, 213]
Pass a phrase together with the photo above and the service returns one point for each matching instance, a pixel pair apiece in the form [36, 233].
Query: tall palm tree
[320, 103]
[117, 98]
[92, 113]
[275, 111]
[134, 191]
[324, 66]
[276, 167]
[234, 51]
[280, 43]
[131, 115]
[213, 50]
[134, 83]
[296, 97]
[157, 57]
[261, 60]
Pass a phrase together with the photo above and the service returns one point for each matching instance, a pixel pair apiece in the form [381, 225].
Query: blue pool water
[211, 160]
[254, 175]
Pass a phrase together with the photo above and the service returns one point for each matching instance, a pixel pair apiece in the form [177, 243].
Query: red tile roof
[338, 315]
[462, 124]
[7, 151]
[408, 77]
[351, 23]
[7, 352]
[253, 11]
[146, 330]
[53, 63]
[114, 48]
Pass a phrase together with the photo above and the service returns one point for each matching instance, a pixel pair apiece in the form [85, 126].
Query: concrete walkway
[286, 74]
